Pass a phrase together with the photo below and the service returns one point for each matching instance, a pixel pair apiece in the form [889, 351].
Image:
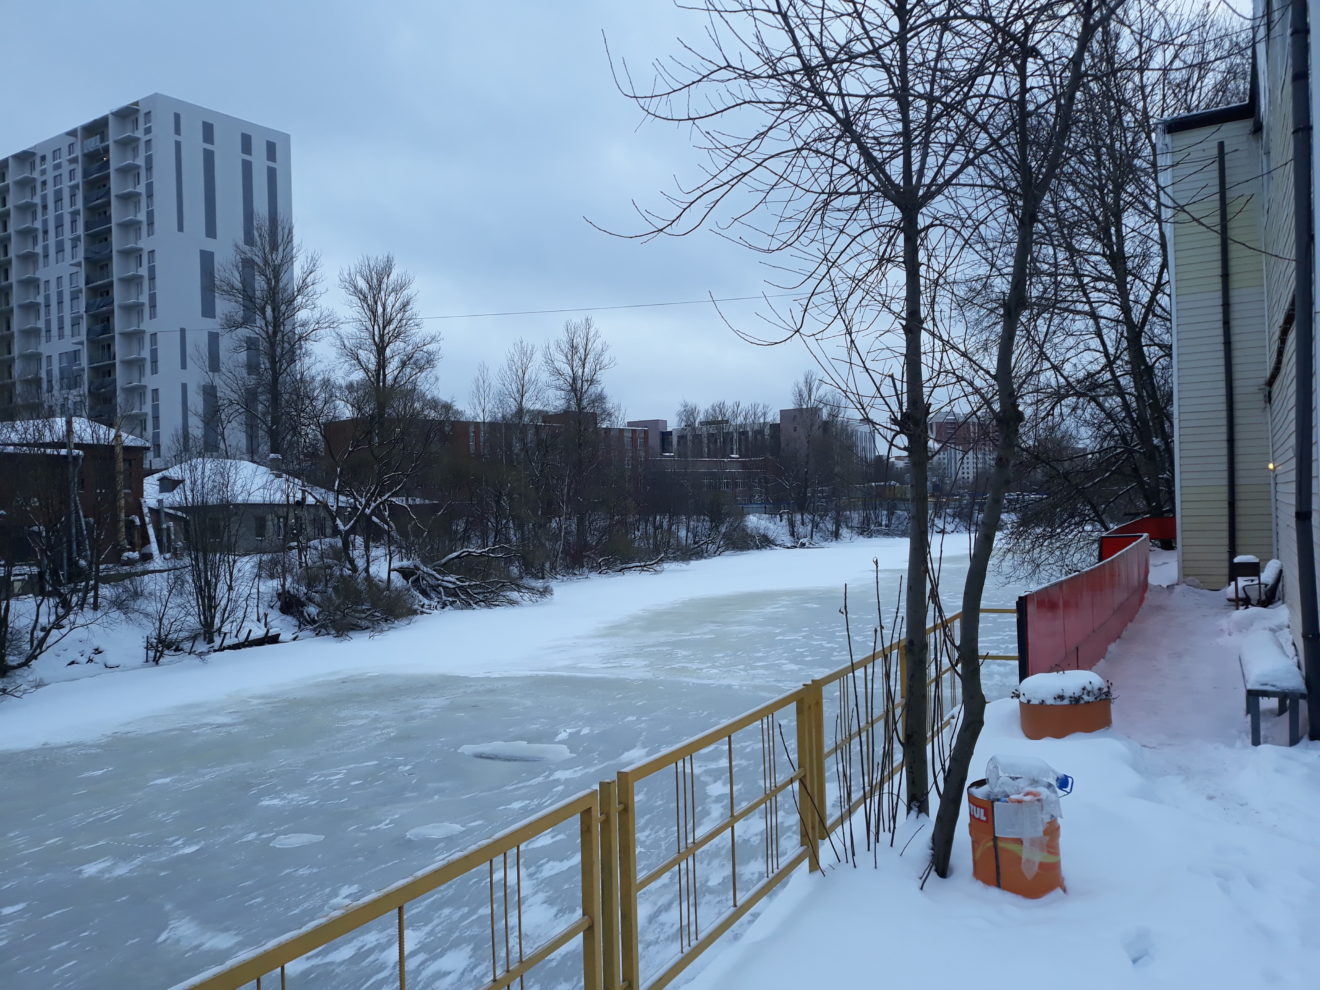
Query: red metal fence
[1068, 625]
[1164, 528]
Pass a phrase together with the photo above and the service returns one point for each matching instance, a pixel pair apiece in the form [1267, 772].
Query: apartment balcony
[102, 360]
[133, 276]
[97, 252]
[28, 277]
[127, 138]
[25, 179]
[97, 196]
[128, 194]
[98, 305]
[99, 330]
[132, 331]
[25, 226]
[97, 223]
[28, 251]
[131, 219]
[26, 199]
[128, 164]
[128, 247]
[132, 303]
[94, 171]
[96, 142]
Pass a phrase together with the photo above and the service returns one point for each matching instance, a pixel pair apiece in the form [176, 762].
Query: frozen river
[149, 841]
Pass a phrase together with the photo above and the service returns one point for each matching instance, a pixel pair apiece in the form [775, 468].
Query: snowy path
[177, 816]
[1190, 856]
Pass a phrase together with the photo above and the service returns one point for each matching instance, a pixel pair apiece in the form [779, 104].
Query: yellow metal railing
[750, 801]
[510, 957]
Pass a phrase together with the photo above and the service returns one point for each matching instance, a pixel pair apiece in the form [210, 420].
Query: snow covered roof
[28, 432]
[222, 481]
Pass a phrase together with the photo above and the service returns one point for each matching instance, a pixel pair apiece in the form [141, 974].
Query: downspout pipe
[1226, 330]
[1304, 330]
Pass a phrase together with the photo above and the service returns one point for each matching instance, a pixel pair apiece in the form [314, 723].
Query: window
[55, 153]
[183, 348]
[178, 125]
[259, 523]
[73, 199]
[73, 173]
[245, 141]
[146, 116]
[74, 279]
[71, 155]
[155, 362]
[208, 132]
[73, 223]
[59, 180]
[75, 327]
[270, 151]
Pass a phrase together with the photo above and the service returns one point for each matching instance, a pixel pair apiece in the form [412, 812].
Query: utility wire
[599, 309]
[575, 309]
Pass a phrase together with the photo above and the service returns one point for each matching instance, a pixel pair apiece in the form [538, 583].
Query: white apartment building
[110, 236]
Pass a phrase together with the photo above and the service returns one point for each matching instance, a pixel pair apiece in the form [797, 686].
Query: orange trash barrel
[1029, 866]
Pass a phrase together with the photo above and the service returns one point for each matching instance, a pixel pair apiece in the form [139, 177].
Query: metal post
[591, 900]
[609, 883]
[810, 754]
[629, 950]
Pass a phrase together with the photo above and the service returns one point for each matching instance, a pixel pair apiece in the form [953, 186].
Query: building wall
[1201, 434]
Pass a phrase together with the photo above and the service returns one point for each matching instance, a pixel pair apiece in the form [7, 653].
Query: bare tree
[575, 364]
[836, 134]
[209, 491]
[519, 389]
[271, 286]
[1047, 50]
[387, 353]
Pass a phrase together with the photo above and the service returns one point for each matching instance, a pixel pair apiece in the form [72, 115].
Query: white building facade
[111, 234]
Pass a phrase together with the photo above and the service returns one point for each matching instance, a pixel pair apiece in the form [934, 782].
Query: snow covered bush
[1063, 687]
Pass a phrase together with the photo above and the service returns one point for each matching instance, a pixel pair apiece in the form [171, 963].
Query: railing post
[811, 760]
[589, 822]
[626, 835]
[609, 883]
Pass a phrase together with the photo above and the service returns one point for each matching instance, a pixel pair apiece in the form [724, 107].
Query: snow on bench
[1269, 671]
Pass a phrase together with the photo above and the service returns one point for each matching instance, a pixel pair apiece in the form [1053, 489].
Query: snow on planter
[1063, 687]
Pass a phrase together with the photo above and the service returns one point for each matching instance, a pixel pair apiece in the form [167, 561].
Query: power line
[575, 309]
[599, 309]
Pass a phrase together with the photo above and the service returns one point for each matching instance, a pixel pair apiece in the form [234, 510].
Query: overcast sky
[468, 138]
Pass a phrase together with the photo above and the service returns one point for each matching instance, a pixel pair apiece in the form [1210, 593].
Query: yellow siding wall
[1200, 419]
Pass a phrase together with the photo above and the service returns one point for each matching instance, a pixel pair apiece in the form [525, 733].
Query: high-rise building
[111, 234]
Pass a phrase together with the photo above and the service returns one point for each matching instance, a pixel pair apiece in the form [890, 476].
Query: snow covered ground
[159, 820]
[1190, 856]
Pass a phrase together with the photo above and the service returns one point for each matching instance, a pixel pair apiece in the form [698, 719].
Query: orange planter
[997, 861]
[1057, 721]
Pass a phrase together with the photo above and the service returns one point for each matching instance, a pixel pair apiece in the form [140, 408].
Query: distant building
[265, 508]
[747, 461]
[34, 478]
[962, 447]
[110, 236]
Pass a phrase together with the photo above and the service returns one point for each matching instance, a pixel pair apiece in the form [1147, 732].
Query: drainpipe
[1226, 330]
[1304, 329]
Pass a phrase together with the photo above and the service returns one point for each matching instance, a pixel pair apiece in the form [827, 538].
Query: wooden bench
[1268, 671]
